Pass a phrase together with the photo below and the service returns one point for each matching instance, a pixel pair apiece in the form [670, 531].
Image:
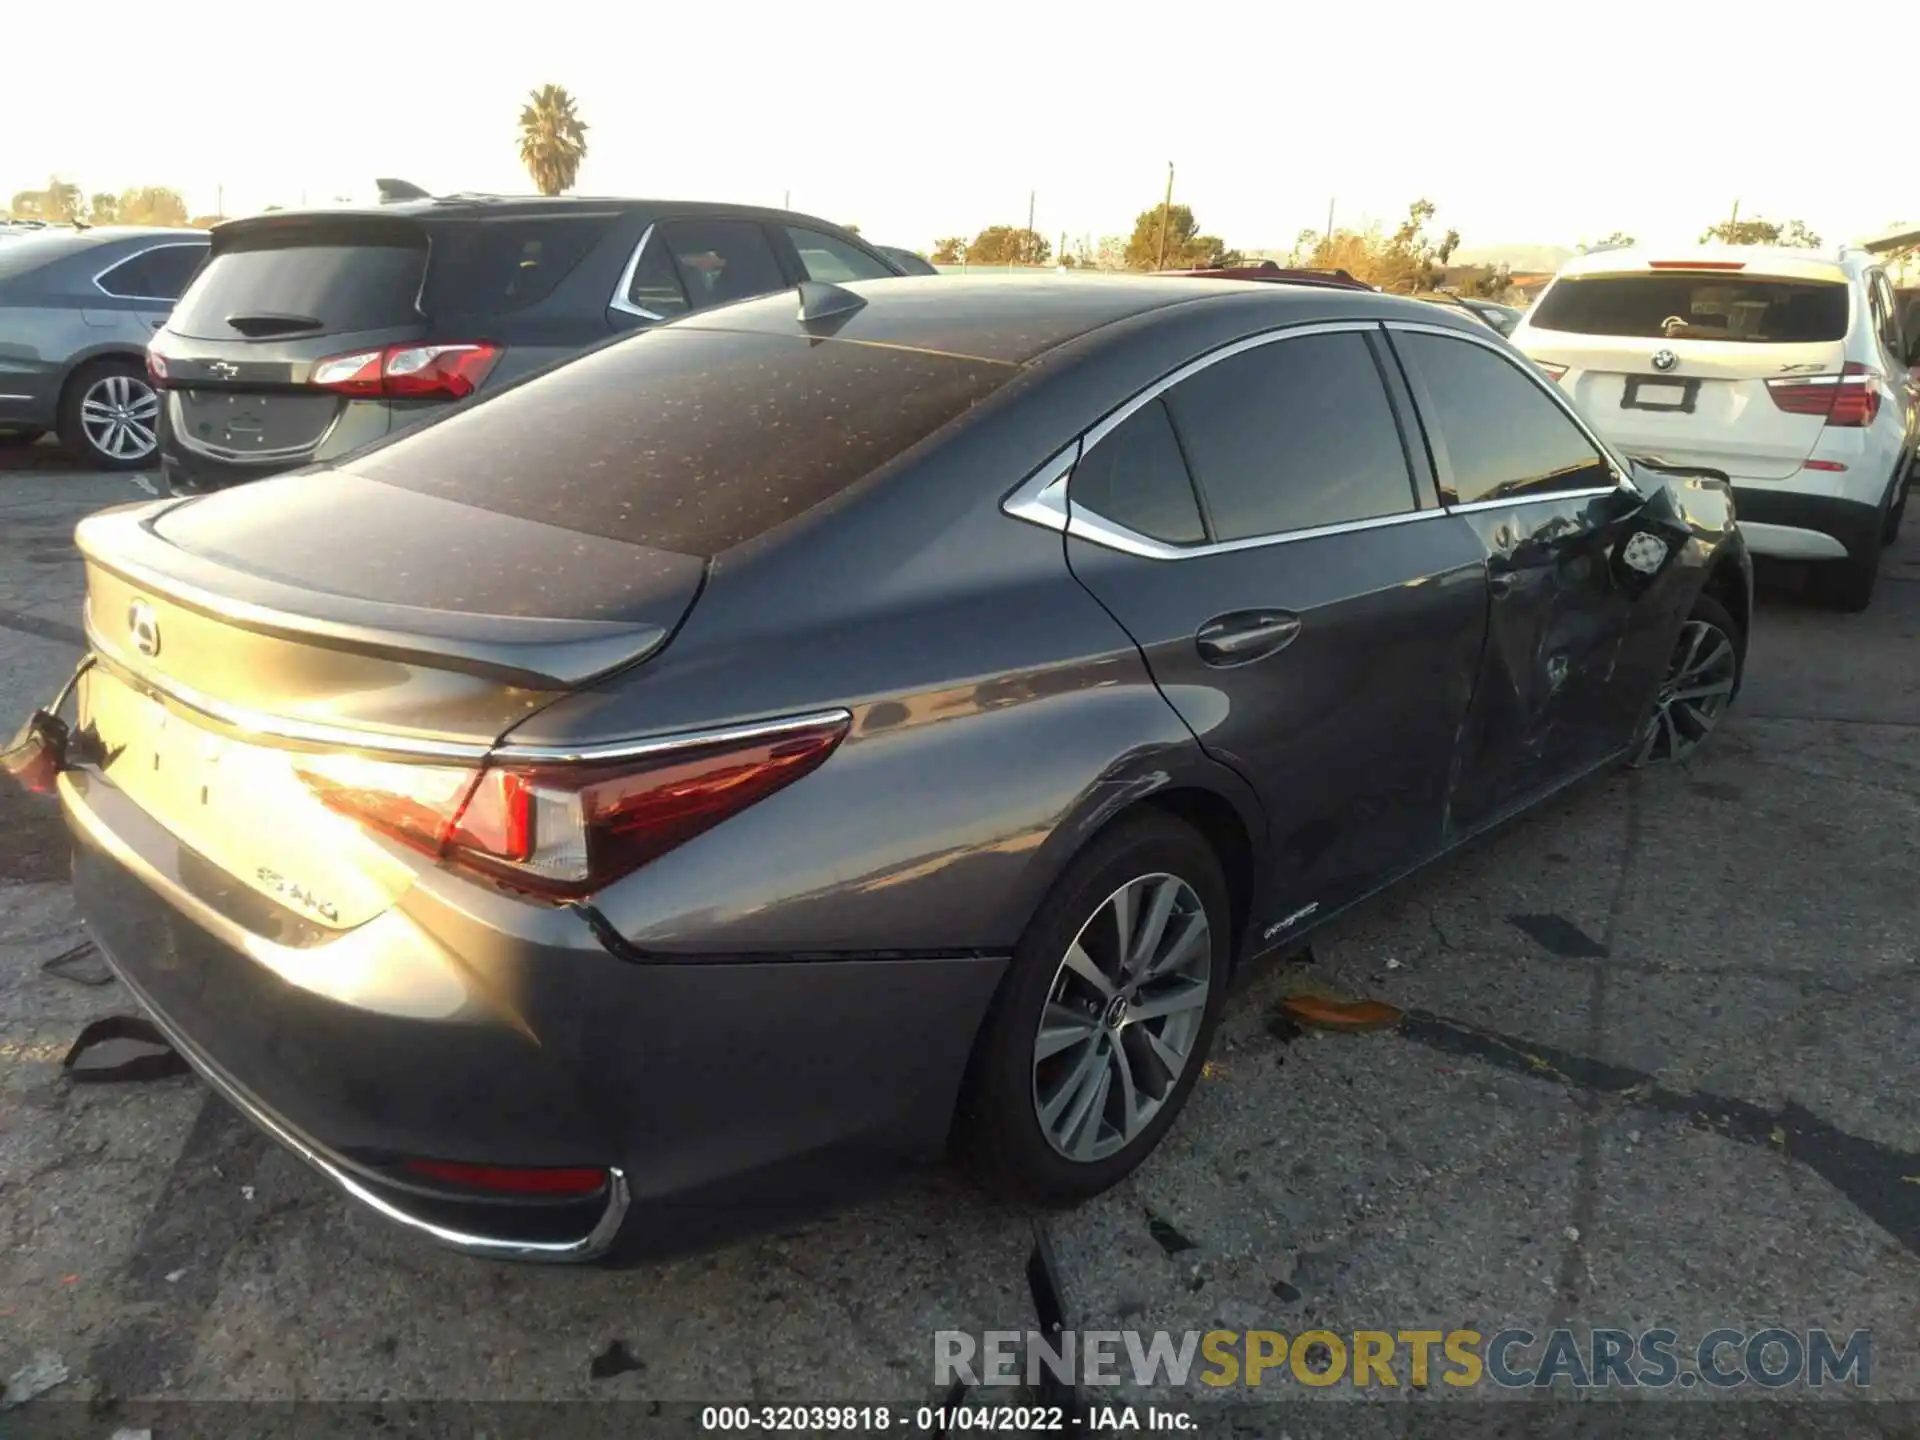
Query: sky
[1523, 124]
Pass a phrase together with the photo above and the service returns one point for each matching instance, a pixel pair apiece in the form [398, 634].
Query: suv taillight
[564, 830]
[1850, 399]
[1552, 371]
[449, 372]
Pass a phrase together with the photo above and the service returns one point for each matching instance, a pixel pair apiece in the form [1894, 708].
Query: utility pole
[220, 200]
[786, 200]
[1060, 255]
[1330, 200]
[1030, 242]
[1166, 209]
[1735, 218]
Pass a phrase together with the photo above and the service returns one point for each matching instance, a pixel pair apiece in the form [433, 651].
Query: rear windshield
[1700, 306]
[274, 282]
[494, 267]
[687, 440]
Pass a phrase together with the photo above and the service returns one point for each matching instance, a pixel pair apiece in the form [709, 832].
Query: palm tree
[553, 140]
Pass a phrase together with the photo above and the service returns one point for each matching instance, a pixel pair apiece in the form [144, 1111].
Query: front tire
[1703, 676]
[110, 415]
[1093, 1044]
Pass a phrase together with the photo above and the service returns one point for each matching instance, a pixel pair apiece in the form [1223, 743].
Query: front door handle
[1245, 636]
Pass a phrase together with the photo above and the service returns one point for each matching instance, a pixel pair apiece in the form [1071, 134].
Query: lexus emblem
[223, 369]
[1664, 360]
[144, 627]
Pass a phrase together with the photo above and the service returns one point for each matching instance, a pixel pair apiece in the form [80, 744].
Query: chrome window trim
[620, 301]
[1507, 351]
[667, 744]
[141, 254]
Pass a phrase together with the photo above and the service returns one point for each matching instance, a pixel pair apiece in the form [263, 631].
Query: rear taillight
[565, 830]
[156, 368]
[1551, 370]
[450, 372]
[1851, 398]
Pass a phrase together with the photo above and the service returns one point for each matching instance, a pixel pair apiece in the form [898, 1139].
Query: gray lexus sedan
[77, 308]
[846, 722]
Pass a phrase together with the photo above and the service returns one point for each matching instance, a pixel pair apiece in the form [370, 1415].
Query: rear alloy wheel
[1702, 678]
[1104, 1018]
[111, 415]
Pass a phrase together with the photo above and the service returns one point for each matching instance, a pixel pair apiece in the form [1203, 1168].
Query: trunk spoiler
[534, 653]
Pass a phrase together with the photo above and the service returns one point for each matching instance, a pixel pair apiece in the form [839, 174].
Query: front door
[1266, 531]
[1561, 686]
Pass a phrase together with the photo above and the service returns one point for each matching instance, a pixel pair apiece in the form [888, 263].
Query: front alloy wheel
[1701, 679]
[1122, 1016]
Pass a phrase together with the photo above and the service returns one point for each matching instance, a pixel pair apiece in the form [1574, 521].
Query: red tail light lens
[1551, 370]
[450, 372]
[565, 830]
[156, 368]
[553, 1183]
[1851, 398]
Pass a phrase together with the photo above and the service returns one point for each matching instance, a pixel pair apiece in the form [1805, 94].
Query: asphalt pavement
[1655, 1069]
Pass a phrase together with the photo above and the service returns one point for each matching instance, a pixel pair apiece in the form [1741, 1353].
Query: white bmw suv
[1786, 369]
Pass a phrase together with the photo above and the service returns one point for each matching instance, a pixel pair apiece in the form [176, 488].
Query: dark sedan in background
[817, 729]
[311, 333]
[77, 308]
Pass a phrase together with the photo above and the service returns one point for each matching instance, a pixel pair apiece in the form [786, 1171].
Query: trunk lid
[275, 297]
[1674, 362]
[247, 638]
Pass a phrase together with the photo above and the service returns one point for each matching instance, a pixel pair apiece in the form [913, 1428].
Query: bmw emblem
[1664, 360]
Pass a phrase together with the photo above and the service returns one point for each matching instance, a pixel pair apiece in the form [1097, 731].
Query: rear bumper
[1792, 525]
[473, 1028]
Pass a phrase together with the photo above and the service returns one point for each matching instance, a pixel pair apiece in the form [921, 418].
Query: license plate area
[1656, 393]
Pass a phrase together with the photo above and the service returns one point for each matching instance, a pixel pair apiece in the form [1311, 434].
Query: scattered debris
[1633, 1137]
[174, 1277]
[1573, 1233]
[1393, 964]
[1281, 1027]
[1324, 1013]
[616, 1359]
[122, 1048]
[36, 1377]
[83, 964]
[132, 1435]
[1170, 1239]
[246, 1192]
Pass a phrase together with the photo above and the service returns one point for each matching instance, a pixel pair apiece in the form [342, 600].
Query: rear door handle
[1245, 636]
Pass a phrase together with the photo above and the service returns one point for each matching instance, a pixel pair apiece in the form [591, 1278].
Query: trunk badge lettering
[296, 894]
[144, 626]
[1665, 360]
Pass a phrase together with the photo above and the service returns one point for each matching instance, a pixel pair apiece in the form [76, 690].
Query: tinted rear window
[1701, 306]
[344, 278]
[494, 267]
[686, 440]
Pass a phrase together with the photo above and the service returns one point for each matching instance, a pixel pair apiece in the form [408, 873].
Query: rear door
[1301, 600]
[1672, 360]
[689, 264]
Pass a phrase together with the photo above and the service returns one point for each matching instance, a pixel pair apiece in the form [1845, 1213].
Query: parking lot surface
[1655, 1068]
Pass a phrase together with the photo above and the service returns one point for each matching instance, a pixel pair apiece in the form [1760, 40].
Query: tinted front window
[159, 274]
[1293, 435]
[1136, 478]
[686, 440]
[493, 267]
[721, 260]
[1698, 306]
[342, 280]
[1500, 433]
[825, 258]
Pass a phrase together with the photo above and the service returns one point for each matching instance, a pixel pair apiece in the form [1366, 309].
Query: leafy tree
[1111, 253]
[1618, 240]
[206, 222]
[553, 139]
[1009, 245]
[949, 251]
[104, 209]
[1763, 232]
[1186, 247]
[1407, 261]
[60, 202]
[152, 205]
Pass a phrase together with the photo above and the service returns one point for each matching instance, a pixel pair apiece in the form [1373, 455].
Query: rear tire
[110, 415]
[1057, 1044]
[1890, 531]
[1848, 584]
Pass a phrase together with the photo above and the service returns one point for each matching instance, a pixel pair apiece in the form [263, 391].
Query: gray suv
[77, 308]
